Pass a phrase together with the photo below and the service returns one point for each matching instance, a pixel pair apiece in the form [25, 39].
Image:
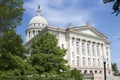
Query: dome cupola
[38, 21]
[36, 25]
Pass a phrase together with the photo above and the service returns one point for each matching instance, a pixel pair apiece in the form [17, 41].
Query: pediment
[90, 31]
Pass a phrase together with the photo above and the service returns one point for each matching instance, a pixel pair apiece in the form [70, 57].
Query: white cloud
[60, 16]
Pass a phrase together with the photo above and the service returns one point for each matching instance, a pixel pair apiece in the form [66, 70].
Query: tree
[115, 6]
[12, 51]
[76, 74]
[10, 13]
[12, 55]
[115, 69]
[47, 56]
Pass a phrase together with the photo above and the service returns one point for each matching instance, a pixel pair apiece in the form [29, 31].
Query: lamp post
[104, 62]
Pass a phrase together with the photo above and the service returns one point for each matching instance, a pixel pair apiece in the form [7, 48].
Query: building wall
[85, 52]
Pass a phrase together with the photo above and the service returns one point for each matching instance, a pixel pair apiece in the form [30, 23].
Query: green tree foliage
[12, 55]
[115, 6]
[12, 63]
[76, 74]
[10, 13]
[47, 56]
[115, 69]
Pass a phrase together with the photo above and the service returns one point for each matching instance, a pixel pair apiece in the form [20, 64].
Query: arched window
[85, 72]
[29, 33]
[33, 32]
[95, 71]
[100, 72]
[91, 72]
[38, 31]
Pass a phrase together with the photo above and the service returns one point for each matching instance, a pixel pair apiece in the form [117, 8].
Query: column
[100, 55]
[95, 49]
[86, 57]
[69, 53]
[91, 60]
[74, 50]
[80, 48]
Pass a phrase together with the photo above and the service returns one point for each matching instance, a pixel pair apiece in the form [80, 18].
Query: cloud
[59, 12]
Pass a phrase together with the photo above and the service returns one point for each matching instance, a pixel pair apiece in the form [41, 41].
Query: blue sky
[78, 12]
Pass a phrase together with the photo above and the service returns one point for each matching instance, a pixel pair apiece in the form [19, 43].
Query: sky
[78, 12]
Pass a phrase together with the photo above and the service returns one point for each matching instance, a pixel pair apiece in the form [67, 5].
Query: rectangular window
[88, 61]
[83, 61]
[83, 51]
[88, 49]
[97, 51]
[107, 53]
[98, 62]
[107, 65]
[93, 62]
[78, 61]
[73, 54]
[93, 50]
[29, 34]
[77, 47]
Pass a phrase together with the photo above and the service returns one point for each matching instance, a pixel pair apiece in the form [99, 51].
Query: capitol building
[86, 47]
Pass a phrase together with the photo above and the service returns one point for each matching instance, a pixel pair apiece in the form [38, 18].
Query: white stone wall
[87, 61]
[85, 50]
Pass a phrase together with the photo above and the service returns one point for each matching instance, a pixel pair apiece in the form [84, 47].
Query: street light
[104, 62]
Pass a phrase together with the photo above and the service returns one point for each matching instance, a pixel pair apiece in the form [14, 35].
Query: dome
[38, 19]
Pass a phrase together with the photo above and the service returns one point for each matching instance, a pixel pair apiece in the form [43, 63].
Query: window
[109, 72]
[102, 48]
[88, 61]
[83, 51]
[107, 65]
[85, 72]
[98, 62]
[38, 31]
[107, 59]
[88, 49]
[73, 54]
[33, 32]
[91, 72]
[29, 33]
[93, 62]
[93, 50]
[100, 72]
[77, 47]
[97, 51]
[95, 71]
[107, 53]
[83, 61]
[78, 61]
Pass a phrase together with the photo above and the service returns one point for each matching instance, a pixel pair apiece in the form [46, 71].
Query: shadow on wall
[113, 78]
